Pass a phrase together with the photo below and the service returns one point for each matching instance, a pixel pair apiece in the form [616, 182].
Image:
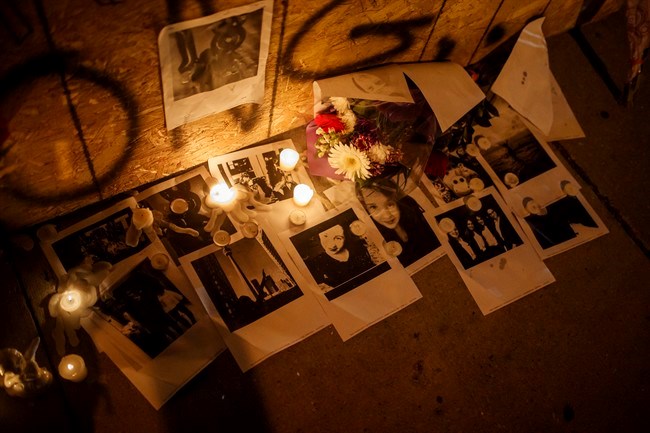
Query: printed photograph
[147, 308]
[210, 56]
[246, 280]
[562, 224]
[338, 254]
[478, 231]
[261, 174]
[103, 240]
[463, 175]
[517, 159]
[181, 218]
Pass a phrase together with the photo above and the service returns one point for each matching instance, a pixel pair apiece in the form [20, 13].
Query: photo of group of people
[480, 234]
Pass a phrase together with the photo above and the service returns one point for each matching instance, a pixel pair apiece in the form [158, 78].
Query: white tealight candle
[297, 217]
[221, 197]
[70, 300]
[288, 159]
[73, 368]
[302, 194]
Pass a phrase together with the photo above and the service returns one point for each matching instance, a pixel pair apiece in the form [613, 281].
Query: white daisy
[350, 162]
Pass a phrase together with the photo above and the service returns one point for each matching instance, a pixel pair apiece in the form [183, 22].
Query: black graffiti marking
[495, 34]
[401, 30]
[446, 46]
[51, 64]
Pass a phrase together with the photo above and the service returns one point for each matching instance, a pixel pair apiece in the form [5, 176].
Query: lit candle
[288, 159]
[222, 197]
[302, 194]
[70, 300]
[73, 368]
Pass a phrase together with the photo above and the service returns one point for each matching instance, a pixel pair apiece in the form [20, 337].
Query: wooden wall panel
[115, 100]
[459, 29]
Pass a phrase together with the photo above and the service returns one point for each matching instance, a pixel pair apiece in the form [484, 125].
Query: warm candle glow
[288, 159]
[221, 193]
[73, 368]
[70, 300]
[302, 194]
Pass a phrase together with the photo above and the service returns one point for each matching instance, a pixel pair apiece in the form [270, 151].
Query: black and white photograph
[181, 217]
[404, 221]
[338, 255]
[213, 55]
[246, 280]
[562, 223]
[259, 170]
[214, 63]
[147, 308]
[256, 296]
[490, 251]
[100, 238]
[355, 281]
[478, 233]
[517, 159]
[152, 325]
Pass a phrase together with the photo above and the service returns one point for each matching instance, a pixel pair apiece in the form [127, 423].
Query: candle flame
[70, 367]
[221, 193]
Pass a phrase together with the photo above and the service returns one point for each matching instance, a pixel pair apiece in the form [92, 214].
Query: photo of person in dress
[146, 307]
[478, 235]
[338, 259]
[399, 220]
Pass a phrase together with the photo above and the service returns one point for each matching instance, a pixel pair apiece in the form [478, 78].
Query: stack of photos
[537, 187]
[355, 281]
[491, 253]
[148, 319]
[405, 223]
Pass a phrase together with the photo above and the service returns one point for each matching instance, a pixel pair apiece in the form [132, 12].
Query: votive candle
[288, 159]
[302, 194]
[70, 300]
[73, 368]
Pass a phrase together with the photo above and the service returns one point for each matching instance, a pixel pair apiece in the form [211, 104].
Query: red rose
[329, 121]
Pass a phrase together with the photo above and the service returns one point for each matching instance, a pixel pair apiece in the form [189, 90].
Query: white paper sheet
[257, 298]
[214, 63]
[446, 86]
[498, 267]
[525, 80]
[448, 89]
[369, 286]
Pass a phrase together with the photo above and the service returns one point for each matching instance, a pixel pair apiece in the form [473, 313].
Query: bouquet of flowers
[365, 141]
